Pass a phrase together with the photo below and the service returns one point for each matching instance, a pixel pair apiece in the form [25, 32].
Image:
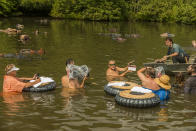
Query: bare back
[150, 84]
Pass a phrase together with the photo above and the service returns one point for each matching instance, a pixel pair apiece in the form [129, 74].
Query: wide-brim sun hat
[163, 82]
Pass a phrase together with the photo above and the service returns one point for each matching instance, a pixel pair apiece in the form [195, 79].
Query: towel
[43, 80]
[140, 90]
[116, 84]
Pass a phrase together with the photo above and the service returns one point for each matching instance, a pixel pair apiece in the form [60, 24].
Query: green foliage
[7, 7]
[90, 9]
[182, 11]
[36, 7]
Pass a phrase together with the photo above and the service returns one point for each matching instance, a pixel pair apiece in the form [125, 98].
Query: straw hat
[163, 82]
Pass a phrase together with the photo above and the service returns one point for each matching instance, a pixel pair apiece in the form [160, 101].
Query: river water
[90, 108]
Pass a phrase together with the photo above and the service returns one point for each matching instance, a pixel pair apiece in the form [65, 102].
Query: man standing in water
[71, 82]
[159, 86]
[194, 46]
[190, 83]
[175, 52]
[65, 78]
[113, 70]
[11, 83]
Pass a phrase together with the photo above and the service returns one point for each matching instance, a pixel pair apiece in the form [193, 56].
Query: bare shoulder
[65, 81]
[109, 72]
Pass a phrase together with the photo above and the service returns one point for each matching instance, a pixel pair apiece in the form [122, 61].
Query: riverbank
[172, 11]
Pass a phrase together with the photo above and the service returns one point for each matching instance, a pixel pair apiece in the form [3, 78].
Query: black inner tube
[126, 84]
[136, 93]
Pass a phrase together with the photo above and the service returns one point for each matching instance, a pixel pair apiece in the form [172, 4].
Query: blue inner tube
[43, 88]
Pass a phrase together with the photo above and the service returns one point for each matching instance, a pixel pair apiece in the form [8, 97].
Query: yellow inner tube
[126, 94]
[131, 85]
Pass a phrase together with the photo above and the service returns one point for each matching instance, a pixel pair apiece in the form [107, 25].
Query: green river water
[90, 109]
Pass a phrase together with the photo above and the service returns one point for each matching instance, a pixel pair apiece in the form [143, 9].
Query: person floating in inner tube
[11, 83]
[167, 35]
[159, 86]
[190, 83]
[31, 52]
[177, 54]
[23, 53]
[72, 82]
[114, 71]
[147, 76]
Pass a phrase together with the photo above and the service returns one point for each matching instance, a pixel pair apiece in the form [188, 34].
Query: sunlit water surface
[90, 108]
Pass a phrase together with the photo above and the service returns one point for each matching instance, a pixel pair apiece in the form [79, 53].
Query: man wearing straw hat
[163, 83]
[13, 84]
[159, 86]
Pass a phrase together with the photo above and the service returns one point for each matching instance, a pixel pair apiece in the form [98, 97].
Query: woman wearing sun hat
[13, 84]
[163, 83]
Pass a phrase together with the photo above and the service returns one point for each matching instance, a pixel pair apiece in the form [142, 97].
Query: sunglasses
[112, 64]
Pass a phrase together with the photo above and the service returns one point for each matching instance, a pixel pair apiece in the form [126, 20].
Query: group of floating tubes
[125, 97]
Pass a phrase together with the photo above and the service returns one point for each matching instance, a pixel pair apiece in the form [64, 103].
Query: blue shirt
[176, 49]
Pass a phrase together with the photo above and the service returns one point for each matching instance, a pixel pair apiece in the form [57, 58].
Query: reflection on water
[12, 101]
[90, 108]
[114, 78]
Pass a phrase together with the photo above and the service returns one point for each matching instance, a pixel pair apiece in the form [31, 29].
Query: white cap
[13, 69]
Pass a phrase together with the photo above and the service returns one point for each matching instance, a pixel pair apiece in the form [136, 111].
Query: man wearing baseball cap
[13, 84]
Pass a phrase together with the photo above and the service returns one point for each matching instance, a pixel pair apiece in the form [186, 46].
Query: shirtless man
[147, 76]
[65, 78]
[114, 71]
[71, 83]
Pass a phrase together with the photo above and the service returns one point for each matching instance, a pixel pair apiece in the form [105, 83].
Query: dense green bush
[182, 11]
[90, 9]
[7, 7]
[35, 7]
[143, 10]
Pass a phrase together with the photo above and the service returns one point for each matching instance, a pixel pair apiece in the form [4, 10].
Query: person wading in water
[71, 82]
[190, 83]
[11, 83]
